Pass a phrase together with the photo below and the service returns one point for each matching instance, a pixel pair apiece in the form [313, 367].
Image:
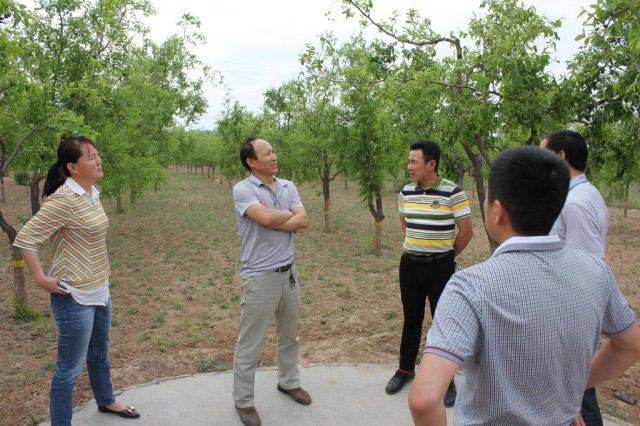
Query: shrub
[23, 312]
[22, 178]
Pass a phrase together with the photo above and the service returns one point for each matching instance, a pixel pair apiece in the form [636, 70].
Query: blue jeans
[83, 334]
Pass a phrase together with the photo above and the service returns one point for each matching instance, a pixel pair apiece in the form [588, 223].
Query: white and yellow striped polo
[431, 215]
[76, 226]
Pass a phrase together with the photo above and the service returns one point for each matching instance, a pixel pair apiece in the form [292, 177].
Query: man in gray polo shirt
[583, 223]
[269, 212]
[523, 323]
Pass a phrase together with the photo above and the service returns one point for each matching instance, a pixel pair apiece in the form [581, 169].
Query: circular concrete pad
[342, 395]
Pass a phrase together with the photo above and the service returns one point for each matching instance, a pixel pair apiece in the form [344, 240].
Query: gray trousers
[264, 296]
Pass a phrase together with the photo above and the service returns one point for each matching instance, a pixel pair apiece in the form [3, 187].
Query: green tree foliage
[358, 67]
[138, 140]
[206, 149]
[234, 127]
[302, 116]
[74, 66]
[615, 152]
[494, 85]
[606, 84]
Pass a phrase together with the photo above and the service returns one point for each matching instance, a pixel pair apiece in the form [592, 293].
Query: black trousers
[417, 282]
[590, 409]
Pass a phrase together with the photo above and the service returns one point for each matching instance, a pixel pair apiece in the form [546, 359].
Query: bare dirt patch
[176, 290]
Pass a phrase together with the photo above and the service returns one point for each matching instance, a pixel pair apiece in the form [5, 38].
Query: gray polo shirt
[523, 325]
[583, 223]
[263, 249]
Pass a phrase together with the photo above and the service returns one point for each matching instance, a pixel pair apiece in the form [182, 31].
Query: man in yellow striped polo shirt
[430, 208]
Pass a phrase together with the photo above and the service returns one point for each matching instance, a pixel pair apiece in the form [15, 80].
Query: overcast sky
[256, 44]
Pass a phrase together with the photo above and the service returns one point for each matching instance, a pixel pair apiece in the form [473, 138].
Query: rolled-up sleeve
[51, 217]
[456, 326]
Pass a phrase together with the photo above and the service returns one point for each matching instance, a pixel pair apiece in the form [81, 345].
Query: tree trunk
[230, 184]
[346, 182]
[327, 204]
[176, 166]
[19, 289]
[213, 173]
[476, 162]
[461, 172]
[34, 189]
[473, 191]
[378, 217]
[326, 192]
[626, 196]
[475, 158]
[378, 239]
[119, 209]
[3, 159]
[532, 137]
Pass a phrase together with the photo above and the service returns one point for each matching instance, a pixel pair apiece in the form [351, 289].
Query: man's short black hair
[247, 151]
[430, 151]
[573, 145]
[532, 185]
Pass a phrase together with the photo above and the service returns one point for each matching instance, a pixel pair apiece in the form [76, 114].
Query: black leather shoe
[398, 380]
[450, 396]
[127, 413]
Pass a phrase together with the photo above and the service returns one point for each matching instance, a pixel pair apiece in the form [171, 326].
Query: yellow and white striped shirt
[431, 215]
[76, 226]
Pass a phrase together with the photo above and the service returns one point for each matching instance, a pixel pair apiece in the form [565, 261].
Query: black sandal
[127, 413]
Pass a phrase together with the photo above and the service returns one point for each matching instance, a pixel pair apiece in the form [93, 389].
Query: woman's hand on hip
[50, 284]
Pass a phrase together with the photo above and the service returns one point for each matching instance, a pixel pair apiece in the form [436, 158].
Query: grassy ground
[176, 291]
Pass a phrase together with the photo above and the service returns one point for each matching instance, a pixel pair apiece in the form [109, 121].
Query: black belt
[284, 268]
[426, 258]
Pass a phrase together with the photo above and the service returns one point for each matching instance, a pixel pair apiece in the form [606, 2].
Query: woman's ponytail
[55, 179]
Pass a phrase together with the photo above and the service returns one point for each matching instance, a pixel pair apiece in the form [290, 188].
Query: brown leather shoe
[249, 416]
[299, 395]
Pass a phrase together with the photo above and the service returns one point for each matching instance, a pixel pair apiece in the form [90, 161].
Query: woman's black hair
[69, 151]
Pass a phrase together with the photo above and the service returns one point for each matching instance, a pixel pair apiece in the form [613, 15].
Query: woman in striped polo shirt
[73, 221]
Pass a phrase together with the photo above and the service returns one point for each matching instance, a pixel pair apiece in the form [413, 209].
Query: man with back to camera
[523, 324]
[583, 223]
[269, 212]
[430, 208]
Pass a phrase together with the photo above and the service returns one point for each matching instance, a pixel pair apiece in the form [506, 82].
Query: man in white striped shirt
[583, 223]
